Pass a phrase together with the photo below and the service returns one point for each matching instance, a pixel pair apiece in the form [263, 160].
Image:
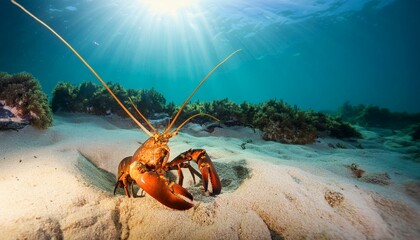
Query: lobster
[131, 171]
[149, 163]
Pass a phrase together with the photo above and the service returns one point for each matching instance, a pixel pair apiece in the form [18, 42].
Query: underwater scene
[199, 119]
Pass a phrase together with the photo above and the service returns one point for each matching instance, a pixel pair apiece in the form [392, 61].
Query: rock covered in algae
[9, 120]
[22, 102]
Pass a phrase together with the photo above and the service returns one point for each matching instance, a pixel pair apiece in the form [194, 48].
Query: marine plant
[85, 95]
[92, 98]
[248, 112]
[283, 123]
[333, 125]
[375, 116]
[278, 120]
[103, 103]
[151, 102]
[190, 110]
[225, 109]
[23, 92]
[64, 97]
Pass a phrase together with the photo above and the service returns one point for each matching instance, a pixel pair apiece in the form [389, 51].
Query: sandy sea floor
[58, 183]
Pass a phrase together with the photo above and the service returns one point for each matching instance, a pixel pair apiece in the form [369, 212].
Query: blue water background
[315, 54]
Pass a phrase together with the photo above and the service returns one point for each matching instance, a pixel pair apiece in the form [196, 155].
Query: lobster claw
[168, 193]
[208, 171]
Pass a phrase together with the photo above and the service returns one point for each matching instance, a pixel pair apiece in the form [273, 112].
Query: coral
[23, 92]
[333, 198]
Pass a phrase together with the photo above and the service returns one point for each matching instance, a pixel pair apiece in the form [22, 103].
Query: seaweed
[342, 130]
[283, 123]
[278, 120]
[248, 112]
[91, 98]
[64, 97]
[188, 111]
[225, 110]
[375, 116]
[84, 97]
[334, 126]
[23, 92]
[151, 102]
[88, 97]
[104, 104]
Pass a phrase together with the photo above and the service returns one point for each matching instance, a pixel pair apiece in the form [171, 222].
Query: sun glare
[168, 7]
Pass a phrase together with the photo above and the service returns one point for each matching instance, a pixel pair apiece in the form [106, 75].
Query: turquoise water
[316, 54]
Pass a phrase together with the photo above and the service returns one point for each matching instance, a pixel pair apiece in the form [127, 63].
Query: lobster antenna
[189, 119]
[142, 116]
[195, 90]
[86, 64]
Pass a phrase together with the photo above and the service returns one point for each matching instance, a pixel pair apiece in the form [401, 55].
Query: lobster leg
[192, 171]
[123, 182]
[126, 182]
[119, 183]
[181, 176]
[132, 190]
[168, 193]
[205, 165]
[124, 179]
[182, 161]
